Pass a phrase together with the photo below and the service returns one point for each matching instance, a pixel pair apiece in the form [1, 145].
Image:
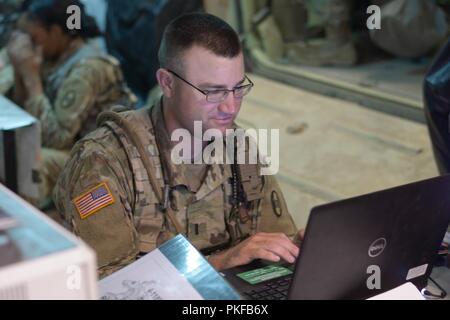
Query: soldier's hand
[19, 47]
[23, 55]
[298, 238]
[267, 246]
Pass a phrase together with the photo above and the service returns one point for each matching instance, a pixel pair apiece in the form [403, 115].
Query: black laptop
[359, 247]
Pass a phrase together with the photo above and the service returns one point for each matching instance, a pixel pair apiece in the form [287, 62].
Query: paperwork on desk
[406, 291]
[174, 271]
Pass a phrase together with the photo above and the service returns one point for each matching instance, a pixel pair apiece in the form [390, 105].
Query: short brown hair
[202, 29]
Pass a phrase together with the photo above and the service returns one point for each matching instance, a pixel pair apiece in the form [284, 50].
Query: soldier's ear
[165, 81]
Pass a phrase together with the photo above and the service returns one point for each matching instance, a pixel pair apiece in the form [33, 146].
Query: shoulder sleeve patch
[93, 200]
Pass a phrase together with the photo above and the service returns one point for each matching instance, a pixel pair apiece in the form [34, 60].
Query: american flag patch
[93, 200]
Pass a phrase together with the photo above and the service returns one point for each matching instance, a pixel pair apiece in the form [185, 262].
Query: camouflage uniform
[75, 92]
[133, 222]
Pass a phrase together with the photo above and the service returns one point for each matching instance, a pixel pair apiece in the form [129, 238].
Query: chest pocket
[205, 221]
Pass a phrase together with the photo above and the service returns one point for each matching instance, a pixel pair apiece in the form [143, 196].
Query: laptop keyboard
[276, 289]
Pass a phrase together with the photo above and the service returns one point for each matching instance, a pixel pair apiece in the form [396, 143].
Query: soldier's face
[48, 38]
[208, 71]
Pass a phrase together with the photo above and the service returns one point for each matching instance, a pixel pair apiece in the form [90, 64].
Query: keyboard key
[283, 288]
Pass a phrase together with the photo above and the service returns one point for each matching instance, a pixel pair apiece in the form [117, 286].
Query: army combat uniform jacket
[129, 220]
[76, 90]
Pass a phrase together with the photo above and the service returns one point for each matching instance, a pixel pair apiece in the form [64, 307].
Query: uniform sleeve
[275, 216]
[110, 230]
[61, 122]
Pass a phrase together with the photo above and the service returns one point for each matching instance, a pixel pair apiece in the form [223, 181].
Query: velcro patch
[93, 200]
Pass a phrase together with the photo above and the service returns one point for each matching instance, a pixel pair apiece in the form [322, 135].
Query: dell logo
[377, 247]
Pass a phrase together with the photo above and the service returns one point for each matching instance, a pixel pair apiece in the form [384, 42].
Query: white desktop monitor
[20, 148]
[39, 259]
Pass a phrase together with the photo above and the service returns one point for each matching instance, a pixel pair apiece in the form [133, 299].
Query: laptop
[359, 247]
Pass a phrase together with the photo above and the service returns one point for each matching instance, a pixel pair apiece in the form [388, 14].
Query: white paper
[407, 291]
[152, 277]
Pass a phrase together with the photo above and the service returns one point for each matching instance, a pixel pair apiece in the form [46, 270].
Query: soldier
[62, 80]
[122, 193]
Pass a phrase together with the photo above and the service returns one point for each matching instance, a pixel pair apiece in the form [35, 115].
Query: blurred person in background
[62, 80]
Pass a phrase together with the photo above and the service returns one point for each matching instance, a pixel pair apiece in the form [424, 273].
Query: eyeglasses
[220, 95]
